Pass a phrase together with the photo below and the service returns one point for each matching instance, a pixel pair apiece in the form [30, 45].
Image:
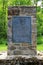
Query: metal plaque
[21, 29]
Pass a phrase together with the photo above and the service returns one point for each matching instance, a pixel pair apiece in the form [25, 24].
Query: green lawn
[4, 47]
[40, 47]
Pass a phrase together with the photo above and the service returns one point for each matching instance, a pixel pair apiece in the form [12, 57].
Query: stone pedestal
[22, 48]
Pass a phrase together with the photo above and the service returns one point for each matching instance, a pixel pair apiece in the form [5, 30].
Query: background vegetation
[4, 13]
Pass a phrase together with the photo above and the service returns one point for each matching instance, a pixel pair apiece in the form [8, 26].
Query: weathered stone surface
[21, 59]
[22, 11]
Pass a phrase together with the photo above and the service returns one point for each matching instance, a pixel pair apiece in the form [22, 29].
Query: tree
[3, 20]
[20, 2]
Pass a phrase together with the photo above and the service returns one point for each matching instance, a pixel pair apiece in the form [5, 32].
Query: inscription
[21, 29]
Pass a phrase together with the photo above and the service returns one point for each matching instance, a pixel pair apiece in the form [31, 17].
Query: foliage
[19, 2]
[3, 41]
[3, 21]
[39, 25]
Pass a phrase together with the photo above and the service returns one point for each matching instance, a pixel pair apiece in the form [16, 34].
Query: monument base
[22, 52]
[20, 59]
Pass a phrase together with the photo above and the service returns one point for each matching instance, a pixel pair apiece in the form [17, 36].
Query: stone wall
[23, 48]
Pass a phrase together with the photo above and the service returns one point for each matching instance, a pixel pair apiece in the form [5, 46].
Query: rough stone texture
[21, 59]
[22, 48]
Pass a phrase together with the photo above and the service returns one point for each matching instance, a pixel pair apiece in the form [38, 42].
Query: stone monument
[22, 34]
[22, 31]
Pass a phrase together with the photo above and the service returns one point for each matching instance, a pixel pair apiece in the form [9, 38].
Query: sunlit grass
[3, 47]
[40, 47]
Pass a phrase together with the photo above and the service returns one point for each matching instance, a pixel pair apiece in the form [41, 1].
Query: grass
[40, 47]
[3, 47]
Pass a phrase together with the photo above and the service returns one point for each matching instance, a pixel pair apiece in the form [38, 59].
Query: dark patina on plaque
[21, 29]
